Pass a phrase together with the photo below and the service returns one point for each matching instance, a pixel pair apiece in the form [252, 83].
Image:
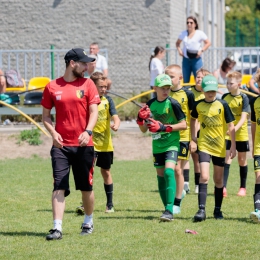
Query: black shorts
[257, 163]
[184, 152]
[160, 158]
[205, 157]
[241, 146]
[82, 161]
[104, 159]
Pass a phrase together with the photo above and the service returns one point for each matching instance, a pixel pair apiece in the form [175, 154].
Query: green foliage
[128, 111]
[31, 136]
[133, 231]
[242, 23]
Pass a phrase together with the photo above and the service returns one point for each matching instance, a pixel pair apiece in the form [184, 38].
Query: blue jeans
[190, 65]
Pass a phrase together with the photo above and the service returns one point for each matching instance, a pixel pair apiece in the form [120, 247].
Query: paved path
[129, 126]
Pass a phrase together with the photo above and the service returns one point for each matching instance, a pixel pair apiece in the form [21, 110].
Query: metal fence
[128, 68]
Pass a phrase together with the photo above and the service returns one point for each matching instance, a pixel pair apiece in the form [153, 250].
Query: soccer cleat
[176, 210]
[242, 192]
[183, 194]
[109, 209]
[225, 192]
[196, 189]
[255, 216]
[86, 229]
[186, 187]
[55, 234]
[80, 210]
[217, 214]
[200, 215]
[166, 216]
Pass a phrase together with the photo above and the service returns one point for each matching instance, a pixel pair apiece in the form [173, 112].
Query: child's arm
[193, 141]
[231, 130]
[156, 126]
[116, 123]
[253, 127]
[241, 121]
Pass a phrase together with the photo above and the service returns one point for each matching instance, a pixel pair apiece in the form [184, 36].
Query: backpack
[13, 78]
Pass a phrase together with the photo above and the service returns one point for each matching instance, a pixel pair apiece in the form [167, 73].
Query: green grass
[133, 231]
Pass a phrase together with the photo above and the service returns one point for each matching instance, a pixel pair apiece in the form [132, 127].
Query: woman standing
[192, 49]
[155, 64]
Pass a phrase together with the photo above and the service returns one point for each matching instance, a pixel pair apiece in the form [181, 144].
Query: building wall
[127, 29]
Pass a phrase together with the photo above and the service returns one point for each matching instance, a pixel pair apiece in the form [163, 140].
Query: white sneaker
[176, 210]
[186, 187]
[255, 216]
[196, 189]
[183, 194]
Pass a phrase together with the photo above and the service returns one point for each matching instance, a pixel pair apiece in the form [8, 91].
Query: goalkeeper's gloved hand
[156, 126]
[143, 114]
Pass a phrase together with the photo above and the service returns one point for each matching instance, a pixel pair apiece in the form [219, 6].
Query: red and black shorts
[81, 159]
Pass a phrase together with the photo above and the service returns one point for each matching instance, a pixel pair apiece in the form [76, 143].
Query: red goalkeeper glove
[143, 114]
[156, 126]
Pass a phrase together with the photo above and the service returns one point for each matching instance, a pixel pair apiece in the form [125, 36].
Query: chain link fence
[128, 68]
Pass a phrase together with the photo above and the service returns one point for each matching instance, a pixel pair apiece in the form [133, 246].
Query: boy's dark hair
[97, 76]
[195, 21]
[155, 52]
[227, 63]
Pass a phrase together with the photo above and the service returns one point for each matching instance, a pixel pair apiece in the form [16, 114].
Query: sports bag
[13, 78]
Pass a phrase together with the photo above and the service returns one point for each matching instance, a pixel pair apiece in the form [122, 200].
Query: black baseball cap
[78, 54]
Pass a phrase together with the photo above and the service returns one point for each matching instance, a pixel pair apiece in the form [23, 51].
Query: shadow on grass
[23, 234]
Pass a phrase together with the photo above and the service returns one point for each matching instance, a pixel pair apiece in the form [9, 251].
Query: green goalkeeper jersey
[168, 112]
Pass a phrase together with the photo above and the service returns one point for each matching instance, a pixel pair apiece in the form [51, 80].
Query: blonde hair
[235, 75]
[204, 72]
[174, 67]
[257, 76]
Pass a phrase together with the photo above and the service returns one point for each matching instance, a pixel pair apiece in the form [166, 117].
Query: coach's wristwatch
[89, 132]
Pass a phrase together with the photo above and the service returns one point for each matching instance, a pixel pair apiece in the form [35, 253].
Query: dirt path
[127, 146]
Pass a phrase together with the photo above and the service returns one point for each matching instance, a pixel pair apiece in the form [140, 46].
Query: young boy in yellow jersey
[239, 105]
[255, 130]
[186, 99]
[213, 115]
[198, 95]
[166, 122]
[102, 137]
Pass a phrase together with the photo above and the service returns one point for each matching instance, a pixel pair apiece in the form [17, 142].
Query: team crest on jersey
[203, 125]
[182, 100]
[219, 111]
[80, 93]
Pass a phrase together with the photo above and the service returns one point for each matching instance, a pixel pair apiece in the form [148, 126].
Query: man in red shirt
[76, 100]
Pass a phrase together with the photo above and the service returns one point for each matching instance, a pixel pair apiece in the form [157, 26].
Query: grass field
[133, 231]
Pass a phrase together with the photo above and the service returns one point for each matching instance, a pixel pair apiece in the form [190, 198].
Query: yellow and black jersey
[213, 117]
[186, 99]
[255, 118]
[101, 132]
[238, 104]
[198, 95]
